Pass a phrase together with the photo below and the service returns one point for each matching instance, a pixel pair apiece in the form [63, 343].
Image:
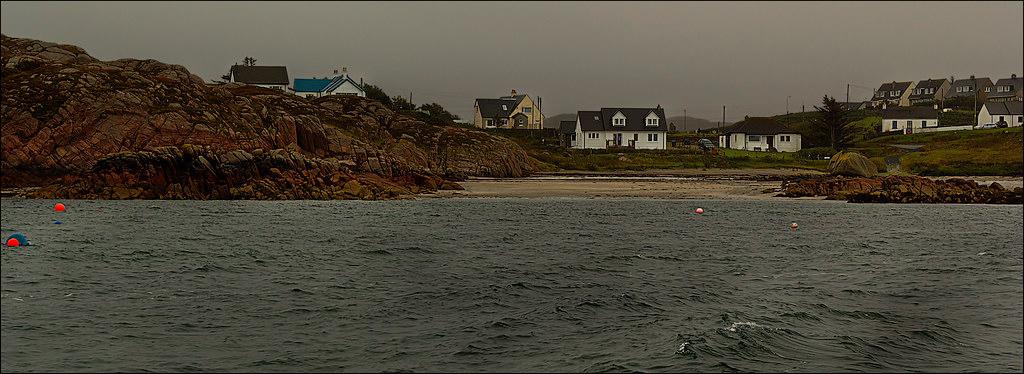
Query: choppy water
[512, 284]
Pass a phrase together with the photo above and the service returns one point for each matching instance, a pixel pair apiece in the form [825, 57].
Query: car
[1001, 124]
[706, 144]
[987, 126]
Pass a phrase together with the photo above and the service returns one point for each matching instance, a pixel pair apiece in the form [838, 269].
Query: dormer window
[527, 110]
[619, 121]
[503, 107]
[652, 122]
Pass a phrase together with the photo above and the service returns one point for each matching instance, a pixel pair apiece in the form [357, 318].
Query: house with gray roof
[760, 134]
[969, 88]
[1008, 113]
[637, 128]
[515, 111]
[275, 77]
[893, 94]
[929, 91]
[1007, 89]
[909, 119]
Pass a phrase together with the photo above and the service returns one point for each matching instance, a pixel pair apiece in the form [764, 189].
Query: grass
[965, 152]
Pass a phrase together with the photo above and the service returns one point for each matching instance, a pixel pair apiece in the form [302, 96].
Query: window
[652, 122]
[503, 107]
[1020, 119]
[489, 122]
[619, 121]
[527, 110]
[894, 125]
[988, 89]
[593, 135]
[924, 123]
[652, 137]
[522, 121]
[784, 138]
[655, 137]
[754, 138]
[1001, 119]
[910, 124]
[636, 137]
[573, 137]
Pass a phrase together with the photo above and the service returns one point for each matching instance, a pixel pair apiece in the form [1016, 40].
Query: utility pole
[684, 118]
[723, 116]
[787, 104]
[847, 93]
[410, 97]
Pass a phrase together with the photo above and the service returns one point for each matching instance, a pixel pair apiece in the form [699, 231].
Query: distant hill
[692, 123]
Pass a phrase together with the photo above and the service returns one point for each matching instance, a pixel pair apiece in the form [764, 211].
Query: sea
[507, 284]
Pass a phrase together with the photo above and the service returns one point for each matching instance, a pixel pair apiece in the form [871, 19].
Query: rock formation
[129, 128]
[902, 189]
[851, 164]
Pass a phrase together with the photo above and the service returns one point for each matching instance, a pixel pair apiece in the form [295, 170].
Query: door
[771, 141]
[618, 139]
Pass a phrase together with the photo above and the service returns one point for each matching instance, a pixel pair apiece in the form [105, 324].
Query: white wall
[902, 124]
[347, 88]
[945, 128]
[742, 141]
[1012, 120]
[603, 137]
[792, 145]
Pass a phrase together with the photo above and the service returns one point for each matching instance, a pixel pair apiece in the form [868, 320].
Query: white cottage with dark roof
[1001, 114]
[275, 77]
[760, 134]
[637, 128]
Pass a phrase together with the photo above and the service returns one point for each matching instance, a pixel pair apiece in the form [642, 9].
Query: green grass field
[966, 152]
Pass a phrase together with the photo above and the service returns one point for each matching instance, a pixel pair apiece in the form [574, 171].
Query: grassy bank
[966, 152]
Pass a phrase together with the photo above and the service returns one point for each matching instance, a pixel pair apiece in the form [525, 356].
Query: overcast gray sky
[577, 56]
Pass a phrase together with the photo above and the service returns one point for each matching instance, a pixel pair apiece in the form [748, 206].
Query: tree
[434, 113]
[833, 123]
[400, 103]
[376, 93]
[249, 61]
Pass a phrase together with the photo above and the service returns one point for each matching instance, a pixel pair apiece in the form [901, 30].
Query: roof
[260, 74]
[926, 84]
[517, 98]
[910, 112]
[886, 87]
[590, 120]
[1013, 108]
[310, 85]
[854, 105]
[1017, 84]
[339, 80]
[759, 126]
[980, 83]
[567, 127]
[636, 119]
[495, 108]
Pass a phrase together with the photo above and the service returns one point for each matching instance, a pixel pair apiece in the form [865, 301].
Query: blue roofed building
[341, 84]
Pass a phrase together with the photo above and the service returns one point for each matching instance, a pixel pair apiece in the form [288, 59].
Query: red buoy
[12, 242]
[59, 207]
[700, 210]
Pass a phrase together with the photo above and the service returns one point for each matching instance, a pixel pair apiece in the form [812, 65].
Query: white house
[341, 84]
[275, 77]
[760, 134]
[996, 112]
[638, 128]
[909, 120]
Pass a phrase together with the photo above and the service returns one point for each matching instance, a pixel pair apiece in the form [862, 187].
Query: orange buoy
[12, 242]
[58, 207]
[700, 210]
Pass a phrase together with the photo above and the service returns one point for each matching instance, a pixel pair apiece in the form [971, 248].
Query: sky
[748, 56]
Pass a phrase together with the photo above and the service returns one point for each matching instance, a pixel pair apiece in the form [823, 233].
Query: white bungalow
[637, 128]
[1008, 112]
[760, 134]
[273, 77]
[910, 119]
[341, 84]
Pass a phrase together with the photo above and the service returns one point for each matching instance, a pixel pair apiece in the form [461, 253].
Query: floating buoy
[57, 222]
[793, 226]
[700, 211]
[16, 240]
[58, 207]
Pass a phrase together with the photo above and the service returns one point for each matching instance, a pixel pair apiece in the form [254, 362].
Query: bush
[817, 153]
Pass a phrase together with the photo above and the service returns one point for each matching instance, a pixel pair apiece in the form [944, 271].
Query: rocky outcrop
[88, 128]
[851, 164]
[902, 189]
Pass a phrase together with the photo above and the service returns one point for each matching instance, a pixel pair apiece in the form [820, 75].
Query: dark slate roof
[636, 119]
[1013, 108]
[517, 99]
[925, 84]
[339, 80]
[590, 120]
[492, 108]
[911, 112]
[759, 126]
[855, 105]
[1017, 84]
[886, 87]
[980, 83]
[567, 127]
[260, 74]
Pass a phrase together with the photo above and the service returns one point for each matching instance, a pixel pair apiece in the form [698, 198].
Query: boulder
[851, 164]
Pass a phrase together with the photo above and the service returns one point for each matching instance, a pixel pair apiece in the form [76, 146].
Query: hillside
[130, 128]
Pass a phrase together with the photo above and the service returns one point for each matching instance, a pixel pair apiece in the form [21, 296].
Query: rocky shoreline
[902, 189]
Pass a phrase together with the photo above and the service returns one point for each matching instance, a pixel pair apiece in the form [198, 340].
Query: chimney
[344, 71]
[972, 76]
[1013, 76]
[335, 71]
[513, 92]
[539, 102]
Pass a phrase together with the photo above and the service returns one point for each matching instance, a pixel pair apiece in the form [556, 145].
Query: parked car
[706, 144]
[987, 126]
[1001, 124]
